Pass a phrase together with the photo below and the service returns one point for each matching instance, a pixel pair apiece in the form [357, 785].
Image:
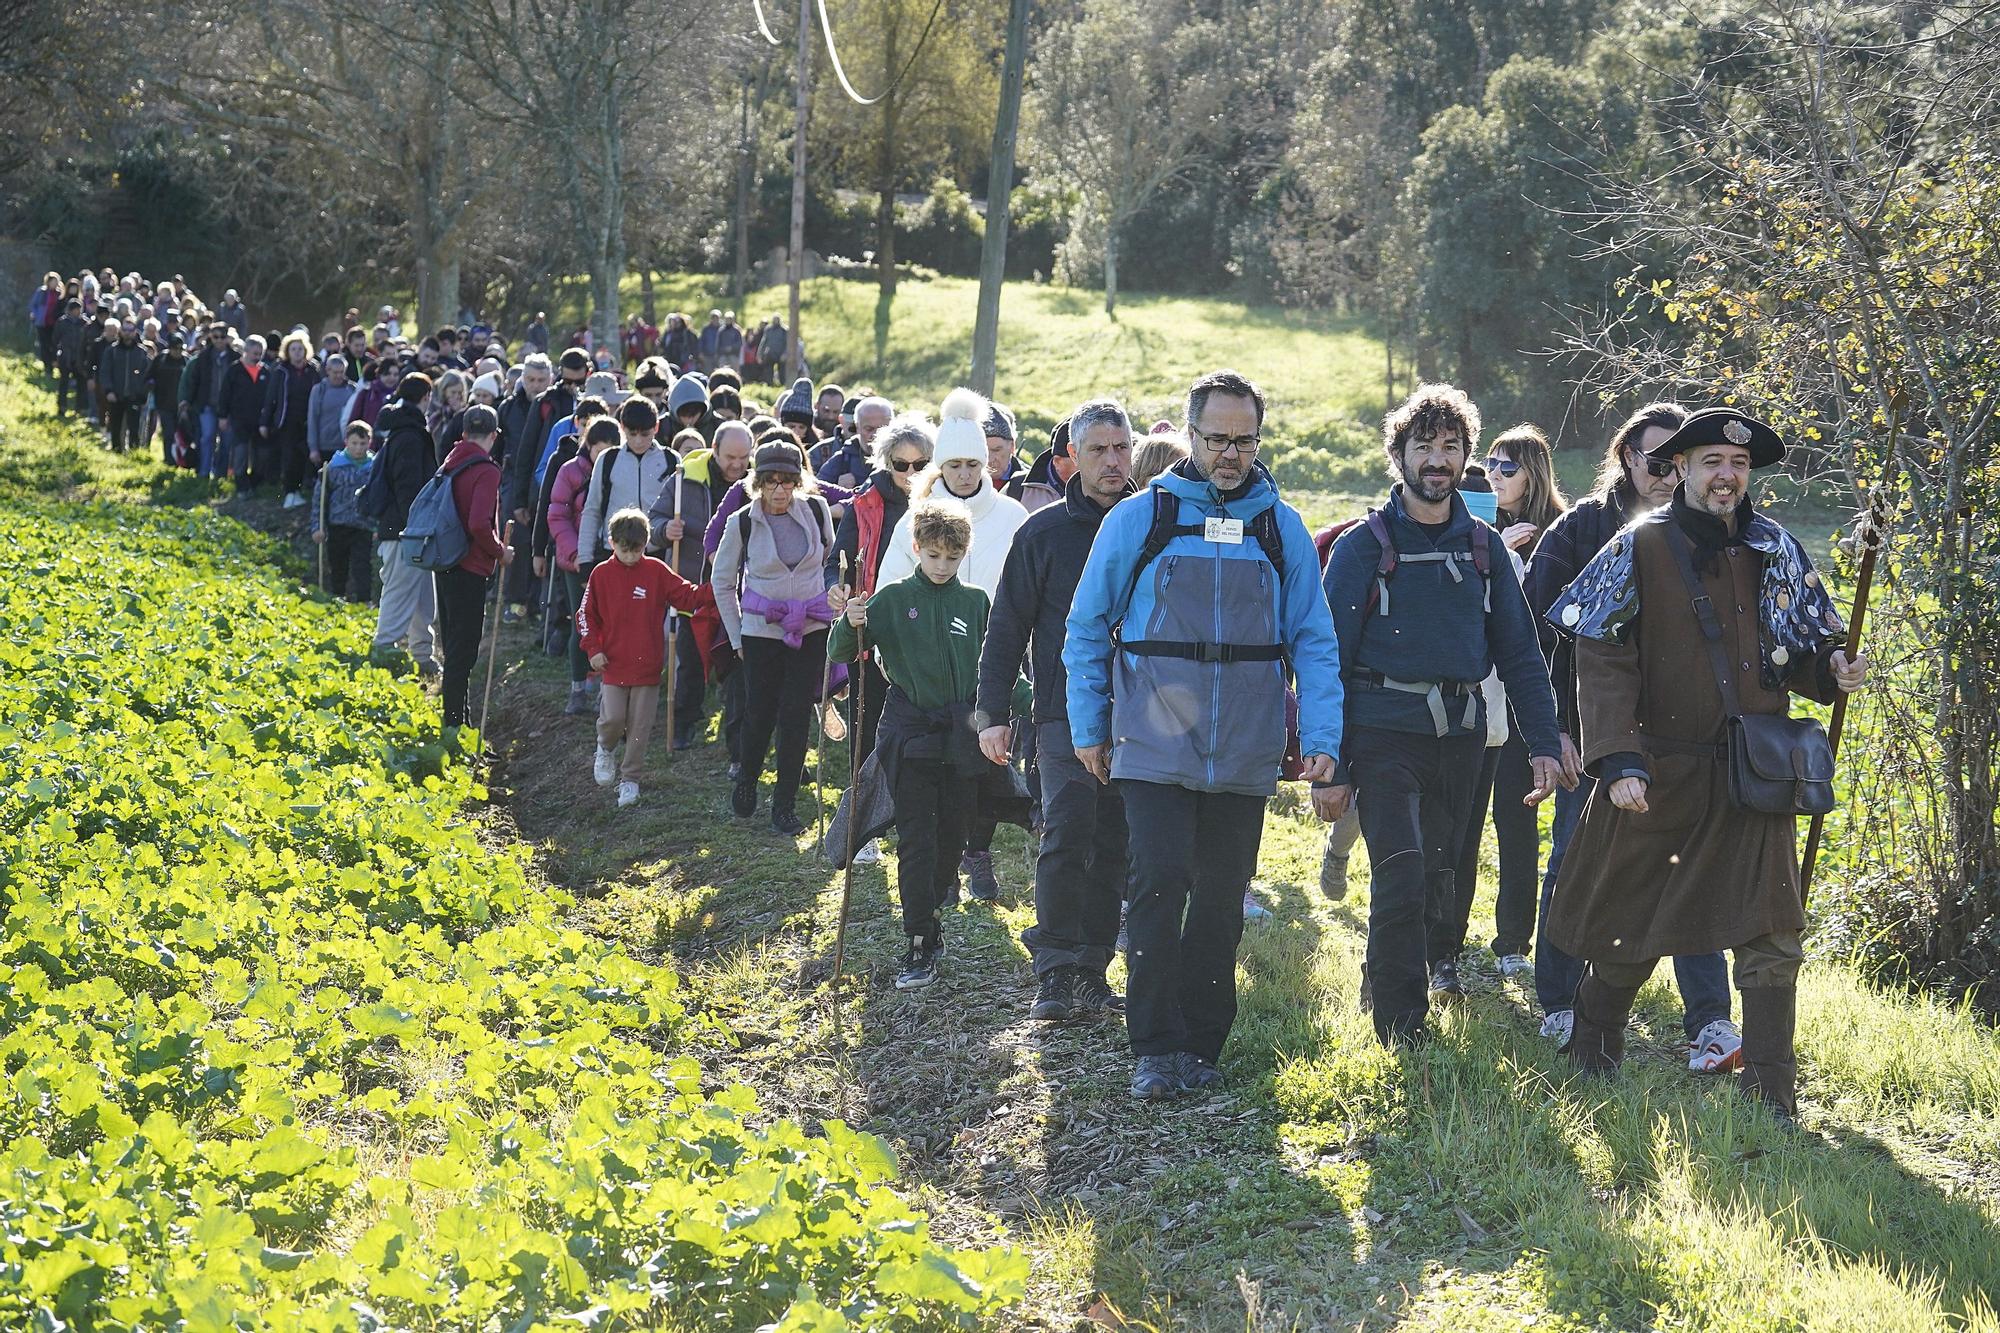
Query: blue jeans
[1703, 979]
[209, 461]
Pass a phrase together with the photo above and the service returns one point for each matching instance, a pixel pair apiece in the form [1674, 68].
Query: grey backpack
[434, 538]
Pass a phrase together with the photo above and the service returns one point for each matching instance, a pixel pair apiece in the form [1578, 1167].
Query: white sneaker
[628, 794]
[1717, 1049]
[868, 853]
[604, 768]
[1514, 965]
[295, 501]
[1559, 1025]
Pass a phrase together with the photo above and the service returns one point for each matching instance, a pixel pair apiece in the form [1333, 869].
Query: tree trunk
[646, 293]
[885, 177]
[1111, 271]
[741, 282]
[801, 112]
[608, 259]
[999, 198]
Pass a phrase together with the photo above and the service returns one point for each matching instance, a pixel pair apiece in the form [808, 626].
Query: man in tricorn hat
[1665, 862]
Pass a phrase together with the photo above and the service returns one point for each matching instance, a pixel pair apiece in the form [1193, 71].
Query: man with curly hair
[1425, 603]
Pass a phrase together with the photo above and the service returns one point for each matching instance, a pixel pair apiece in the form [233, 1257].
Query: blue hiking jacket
[1207, 726]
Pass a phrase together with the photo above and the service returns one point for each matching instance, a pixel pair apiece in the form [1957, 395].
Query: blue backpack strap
[1385, 565]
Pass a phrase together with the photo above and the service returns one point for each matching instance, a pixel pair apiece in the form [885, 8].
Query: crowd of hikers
[1123, 645]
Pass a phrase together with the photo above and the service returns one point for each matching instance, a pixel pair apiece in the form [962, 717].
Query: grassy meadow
[1473, 1186]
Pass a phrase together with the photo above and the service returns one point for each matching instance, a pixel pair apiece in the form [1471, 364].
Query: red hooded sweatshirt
[624, 616]
[475, 492]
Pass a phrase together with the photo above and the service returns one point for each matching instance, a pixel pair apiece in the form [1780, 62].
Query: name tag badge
[1228, 530]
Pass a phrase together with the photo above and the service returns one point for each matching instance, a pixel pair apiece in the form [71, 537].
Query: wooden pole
[1871, 536]
[999, 191]
[853, 804]
[321, 507]
[673, 619]
[825, 684]
[486, 704]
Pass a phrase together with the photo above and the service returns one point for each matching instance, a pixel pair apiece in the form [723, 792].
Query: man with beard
[516, 412]
[1080, 869]
[1692, 627]
[1426, 604]
[1197, 593]
[1630, 483]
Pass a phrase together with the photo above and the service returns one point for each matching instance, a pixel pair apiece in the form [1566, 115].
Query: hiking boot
[628, 794]
[743, 799]
[787, 823]
[1597, 1031]
[1094, 994]
[919, 966]
[1717, 1049]
[604, 767]
[832, 722]
[1198, 1074]
[293, 500]
[1333, 876]
[1254, 910]
[429, 668]
[511, 616]
[980, 882]
[1445, 983]
[1515, 965]
[1558, 1024]
[1055, 998]
[579, 701]
[868, 853]
[1157, 1078]
[1770, 1070]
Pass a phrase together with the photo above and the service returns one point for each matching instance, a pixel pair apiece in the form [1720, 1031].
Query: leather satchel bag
[1778, 765]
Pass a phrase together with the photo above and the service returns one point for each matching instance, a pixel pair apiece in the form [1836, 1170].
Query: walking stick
[485, 704]
[322, 527]
[1871, 537]
[673, 622]
[819, 715]
[853, 808]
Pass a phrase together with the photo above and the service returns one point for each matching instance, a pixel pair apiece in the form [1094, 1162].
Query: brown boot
[1597, 1042]
[1770, 1063]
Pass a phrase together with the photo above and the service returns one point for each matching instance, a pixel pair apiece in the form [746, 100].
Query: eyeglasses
[1657, 467]
[907, 464]
[1243, 445]
[777, 480]
[1504, 467]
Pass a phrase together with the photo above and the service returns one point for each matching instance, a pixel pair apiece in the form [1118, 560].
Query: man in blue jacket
[1426, 604]
[1197, 593]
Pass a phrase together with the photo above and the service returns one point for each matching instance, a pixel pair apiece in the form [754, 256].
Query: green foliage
[286, 1043]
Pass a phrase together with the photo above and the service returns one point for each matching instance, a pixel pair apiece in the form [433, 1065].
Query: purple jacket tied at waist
[791, 615]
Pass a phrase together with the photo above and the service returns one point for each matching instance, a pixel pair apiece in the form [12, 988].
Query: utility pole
[742, 282]
[999, 190]
[798, 256]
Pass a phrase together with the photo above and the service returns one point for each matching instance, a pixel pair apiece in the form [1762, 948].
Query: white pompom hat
[961, 433]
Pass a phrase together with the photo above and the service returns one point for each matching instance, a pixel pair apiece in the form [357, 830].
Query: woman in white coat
[958, 469]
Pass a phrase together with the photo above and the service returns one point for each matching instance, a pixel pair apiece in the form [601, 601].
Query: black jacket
[514, 416]
[242, 401]
[557, 401]
[409, 458]
[1564, 549]
[287, 393]
[1031, 607]
[211, 369]
[166, 378]
[124, 371]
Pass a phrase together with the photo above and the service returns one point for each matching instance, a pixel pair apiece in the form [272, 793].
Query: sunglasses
[1503, 467]
[1658, 467]
[907, 464]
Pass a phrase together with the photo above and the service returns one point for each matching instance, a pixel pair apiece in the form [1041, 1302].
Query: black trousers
[293, 461]
[1414, 793]
[1080, 870]
[1192, 856]
[778, 697]
[690, 689]
[45, 346]
[350, 562]
[932, 804]
[121, 423]
[461, 603]
[70, 391]
[732, 691]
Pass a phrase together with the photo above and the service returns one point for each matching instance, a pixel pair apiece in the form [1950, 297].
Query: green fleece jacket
[927, 635]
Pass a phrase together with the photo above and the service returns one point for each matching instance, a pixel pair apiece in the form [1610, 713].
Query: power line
[826, 26]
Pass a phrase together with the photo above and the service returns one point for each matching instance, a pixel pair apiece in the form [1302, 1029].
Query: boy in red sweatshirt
[622, 625]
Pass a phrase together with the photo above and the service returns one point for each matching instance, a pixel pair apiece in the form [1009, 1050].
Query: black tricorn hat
[1723, 425]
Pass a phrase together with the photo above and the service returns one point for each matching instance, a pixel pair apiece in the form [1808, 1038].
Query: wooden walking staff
[1871, 538]
[819, 714]
[485, 704]
[673, 620]
[860, 678]
[322, 488]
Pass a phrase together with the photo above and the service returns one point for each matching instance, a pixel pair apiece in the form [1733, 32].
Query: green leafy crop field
[287, 1042]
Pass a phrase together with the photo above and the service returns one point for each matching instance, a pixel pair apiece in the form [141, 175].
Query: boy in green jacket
[926, 630]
